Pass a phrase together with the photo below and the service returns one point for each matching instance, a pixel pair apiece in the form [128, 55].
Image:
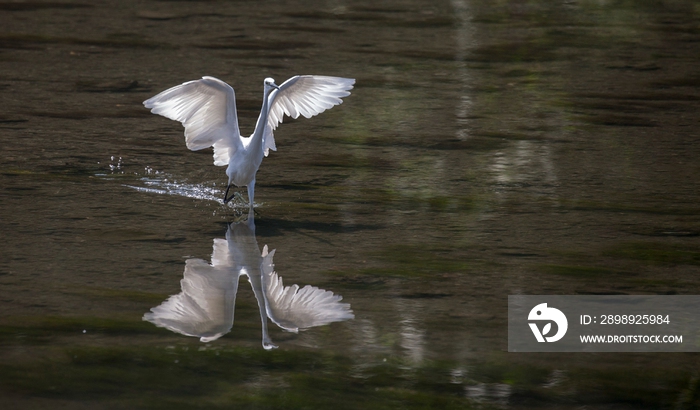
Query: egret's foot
[237, 201]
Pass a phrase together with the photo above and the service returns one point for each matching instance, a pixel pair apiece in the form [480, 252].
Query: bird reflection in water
[206, 304]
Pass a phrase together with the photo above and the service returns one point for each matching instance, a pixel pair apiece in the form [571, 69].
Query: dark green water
[488, 148]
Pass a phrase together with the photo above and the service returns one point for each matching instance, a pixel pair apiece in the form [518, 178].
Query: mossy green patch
[179, 377]
[117, 40]
[627, 206]
[411, 261]
[194, 375]
[123, 294]
[624, 386]
[515, 52]
[657, 252]
[38, 330]
[577, 271]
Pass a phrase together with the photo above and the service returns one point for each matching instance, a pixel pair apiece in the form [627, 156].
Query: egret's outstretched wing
[207, 110]
[306, 95]
[292, 308]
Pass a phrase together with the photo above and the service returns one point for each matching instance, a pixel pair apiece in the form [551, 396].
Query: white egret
[207, 110]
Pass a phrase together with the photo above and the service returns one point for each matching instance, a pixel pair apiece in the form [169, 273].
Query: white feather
[204, 308]
[207, 110]
[295, 309]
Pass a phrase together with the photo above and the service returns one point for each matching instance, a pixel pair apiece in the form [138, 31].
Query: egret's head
[270, 83]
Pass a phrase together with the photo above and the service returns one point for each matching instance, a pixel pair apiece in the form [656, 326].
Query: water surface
[488, 148]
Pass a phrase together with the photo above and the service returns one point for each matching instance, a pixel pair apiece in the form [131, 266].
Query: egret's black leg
[226, 197]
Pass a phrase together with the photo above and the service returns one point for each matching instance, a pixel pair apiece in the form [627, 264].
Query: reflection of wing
[306, 95]
[292, 308]
[221, 255]
[207, 110]
[205, 306]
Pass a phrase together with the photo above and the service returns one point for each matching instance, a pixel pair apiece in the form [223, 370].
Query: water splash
[166, 187]
[157, 182]
[115, 167]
